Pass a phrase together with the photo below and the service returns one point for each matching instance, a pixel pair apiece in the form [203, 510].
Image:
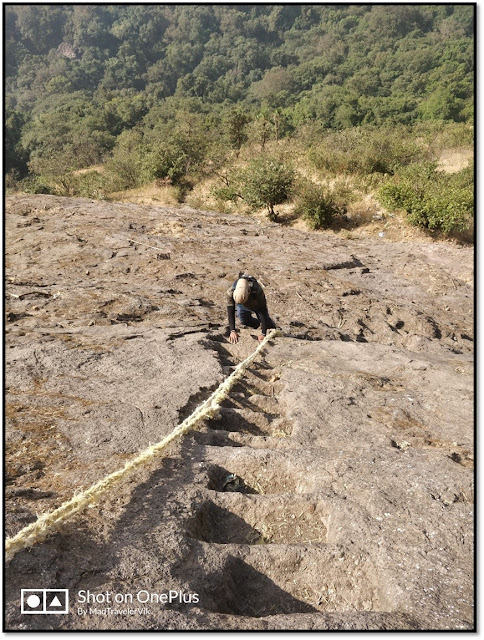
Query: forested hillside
[174, 92]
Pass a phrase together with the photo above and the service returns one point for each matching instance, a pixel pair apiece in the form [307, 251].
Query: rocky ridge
[336, 489]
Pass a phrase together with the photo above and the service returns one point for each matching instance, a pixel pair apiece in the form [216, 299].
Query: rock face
[335, 490]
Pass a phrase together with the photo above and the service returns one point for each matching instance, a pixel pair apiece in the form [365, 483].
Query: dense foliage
[77, 76]
[171, 92]
[432, 199]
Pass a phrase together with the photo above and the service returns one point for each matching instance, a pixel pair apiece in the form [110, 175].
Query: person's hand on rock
[233, 338]
[261, 337]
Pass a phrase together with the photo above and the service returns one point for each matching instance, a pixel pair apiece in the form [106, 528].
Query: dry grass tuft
[152, 194]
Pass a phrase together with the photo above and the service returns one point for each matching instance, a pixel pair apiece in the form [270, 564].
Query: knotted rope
[47, 523]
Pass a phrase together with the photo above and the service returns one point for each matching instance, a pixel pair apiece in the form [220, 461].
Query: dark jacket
[256, 302]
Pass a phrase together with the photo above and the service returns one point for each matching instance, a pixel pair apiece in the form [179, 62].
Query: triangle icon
[55, 602]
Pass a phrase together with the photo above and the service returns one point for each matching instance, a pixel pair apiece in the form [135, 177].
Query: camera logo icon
[44, 601]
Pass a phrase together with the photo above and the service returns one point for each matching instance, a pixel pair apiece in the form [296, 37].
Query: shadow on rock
[241, 590]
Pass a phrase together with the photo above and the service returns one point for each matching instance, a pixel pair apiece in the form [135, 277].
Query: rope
[50, 521]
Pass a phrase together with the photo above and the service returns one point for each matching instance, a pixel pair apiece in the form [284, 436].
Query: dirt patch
[454, 160]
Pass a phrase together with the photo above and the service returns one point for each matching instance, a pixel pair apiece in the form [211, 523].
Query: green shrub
[441, 135]
[90, 185]
[318, 205]
[12, 181]
[124, 170]
[264, 182]
[37, 185]
[226, 193]
[166, 161]
[364, 151]
[431, 199]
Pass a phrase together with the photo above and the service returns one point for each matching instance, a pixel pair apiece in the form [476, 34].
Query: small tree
[262, 127]
[236, 128]
[125, 167]
[264, 182]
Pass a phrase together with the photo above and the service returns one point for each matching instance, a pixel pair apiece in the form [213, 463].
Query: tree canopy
[78, 76]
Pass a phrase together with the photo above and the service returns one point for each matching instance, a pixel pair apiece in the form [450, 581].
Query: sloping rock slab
[400, 431]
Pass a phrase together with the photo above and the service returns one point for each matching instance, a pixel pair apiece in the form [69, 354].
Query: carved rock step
[253, 384]
[244, 420]
[264, 403]
[253, 401]
[221, 438]
[266, 580]
[271, 471]
[227, 518]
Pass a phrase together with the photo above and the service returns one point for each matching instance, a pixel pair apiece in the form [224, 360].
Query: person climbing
[247, 294]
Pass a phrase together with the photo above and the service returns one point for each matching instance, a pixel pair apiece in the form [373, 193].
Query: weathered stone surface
[335, 491]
